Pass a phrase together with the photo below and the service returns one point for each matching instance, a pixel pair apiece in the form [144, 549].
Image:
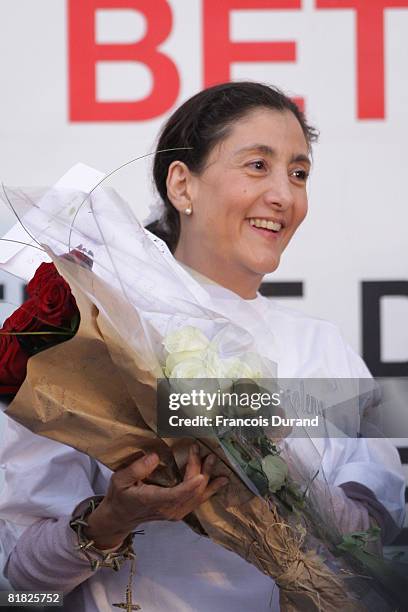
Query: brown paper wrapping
[96, 394]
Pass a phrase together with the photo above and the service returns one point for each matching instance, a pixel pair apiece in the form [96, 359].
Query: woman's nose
[279, 193]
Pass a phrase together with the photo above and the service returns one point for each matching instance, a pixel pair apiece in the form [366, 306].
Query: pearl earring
[188, 210]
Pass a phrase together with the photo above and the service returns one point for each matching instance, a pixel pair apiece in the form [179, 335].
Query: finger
[170, 495]
[169, 503]
[193, 467]
[213, 487]
[199, 497]
[208, 467]
[138, 470]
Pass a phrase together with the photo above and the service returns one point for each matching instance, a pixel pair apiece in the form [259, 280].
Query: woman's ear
[178, 185]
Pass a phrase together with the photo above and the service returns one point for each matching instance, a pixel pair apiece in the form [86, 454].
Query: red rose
[13, 361]
[50, 303]
[24, 318]
[43, 274]
[55, 304]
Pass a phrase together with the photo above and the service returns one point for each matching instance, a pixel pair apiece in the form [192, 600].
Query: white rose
[237, 368]
[188, 338]
[175, 358]
[189, 368]
[214, 365]
[182, 379]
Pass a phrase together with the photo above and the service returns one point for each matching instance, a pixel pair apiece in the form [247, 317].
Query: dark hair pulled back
[200, 123]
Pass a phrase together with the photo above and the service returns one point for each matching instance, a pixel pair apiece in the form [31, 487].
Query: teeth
[270, 225]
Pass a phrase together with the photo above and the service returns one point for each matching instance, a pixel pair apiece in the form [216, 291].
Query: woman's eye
[302, 175]
[259, 164]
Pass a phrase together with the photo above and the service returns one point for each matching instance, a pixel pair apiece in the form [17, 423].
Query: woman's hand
[129, 501]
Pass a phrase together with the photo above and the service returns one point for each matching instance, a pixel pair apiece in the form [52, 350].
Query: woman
[233, 198]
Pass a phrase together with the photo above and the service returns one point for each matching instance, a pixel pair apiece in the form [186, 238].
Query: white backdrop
[356, 229]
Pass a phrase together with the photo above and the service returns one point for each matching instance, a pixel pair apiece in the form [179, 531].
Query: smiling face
[247, 202]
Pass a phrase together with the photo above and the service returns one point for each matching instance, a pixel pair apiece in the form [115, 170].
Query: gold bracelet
[113, 559]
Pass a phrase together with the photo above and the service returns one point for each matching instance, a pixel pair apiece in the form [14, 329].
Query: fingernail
[195, 449]
[197, 480]
[211, 460]
[151, 458]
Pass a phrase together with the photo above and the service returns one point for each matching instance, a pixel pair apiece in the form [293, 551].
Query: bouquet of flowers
[142, 318]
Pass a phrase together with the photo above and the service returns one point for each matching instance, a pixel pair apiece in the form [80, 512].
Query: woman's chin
[265, 266]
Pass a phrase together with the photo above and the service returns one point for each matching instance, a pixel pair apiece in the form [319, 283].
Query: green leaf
[230, 447]
[75, 323]
[258, 478]
[275, 470]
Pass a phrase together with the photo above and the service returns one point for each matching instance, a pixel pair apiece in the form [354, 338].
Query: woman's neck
[237, 281]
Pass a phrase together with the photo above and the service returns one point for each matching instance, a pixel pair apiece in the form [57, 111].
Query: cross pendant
[128, 606]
